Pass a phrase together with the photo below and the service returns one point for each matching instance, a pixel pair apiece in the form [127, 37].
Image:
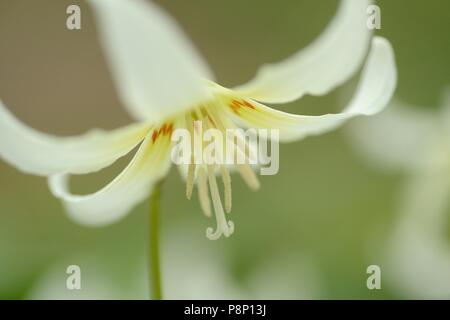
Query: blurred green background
[324, 208]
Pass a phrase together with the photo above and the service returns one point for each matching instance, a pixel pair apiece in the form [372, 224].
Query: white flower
[164, 84]
[415, 141]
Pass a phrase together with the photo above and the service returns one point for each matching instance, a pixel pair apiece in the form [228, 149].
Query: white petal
[131, 186]
[37, 153]
[322, 66]
[156, 69]
[375, 89]
[400, 138]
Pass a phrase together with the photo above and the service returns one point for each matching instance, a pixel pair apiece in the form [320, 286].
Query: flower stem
[154, 254]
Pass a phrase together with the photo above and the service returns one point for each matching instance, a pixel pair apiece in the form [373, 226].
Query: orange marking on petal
[154, 135]
[235, 106]
[237, 103]
[170, 128]
[162, 129]
[235, 110]
[248, 104]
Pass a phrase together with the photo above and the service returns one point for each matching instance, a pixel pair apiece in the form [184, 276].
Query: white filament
[223, 226]
[190, 180]
[206, 174]
[226, 179]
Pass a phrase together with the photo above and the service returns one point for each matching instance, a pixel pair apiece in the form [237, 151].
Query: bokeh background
[310, 232]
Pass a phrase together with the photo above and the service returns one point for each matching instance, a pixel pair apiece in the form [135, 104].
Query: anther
[249, 176]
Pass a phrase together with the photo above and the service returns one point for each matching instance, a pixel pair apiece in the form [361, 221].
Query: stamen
[243, 147]
[226, 179]
[223, 226]
[190, 180]
[249, 176]
[203, 192]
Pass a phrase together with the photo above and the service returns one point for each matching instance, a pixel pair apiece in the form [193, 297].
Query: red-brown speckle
[236, 105]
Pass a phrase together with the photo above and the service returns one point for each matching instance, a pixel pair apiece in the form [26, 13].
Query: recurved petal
[322, 66]
[129, 188]
[38, 153]
[156, 70]
[375, 89]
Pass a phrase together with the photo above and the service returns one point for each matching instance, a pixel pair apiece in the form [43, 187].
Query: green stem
[154, 255]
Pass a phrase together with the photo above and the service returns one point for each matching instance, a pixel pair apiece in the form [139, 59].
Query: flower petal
[156, 69]
[375, 89]
[400, 138]
[38, 153]
[322, 66]
[131, 186]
